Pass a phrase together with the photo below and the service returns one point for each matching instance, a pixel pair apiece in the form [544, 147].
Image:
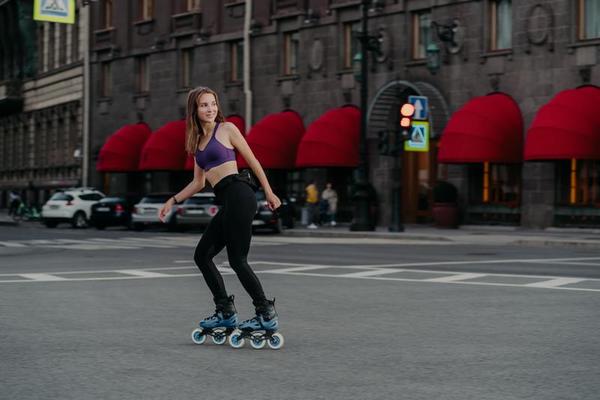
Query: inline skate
[260, 330]
[219, 325]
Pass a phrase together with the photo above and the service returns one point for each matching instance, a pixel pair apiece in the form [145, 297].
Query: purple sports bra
[214, 154]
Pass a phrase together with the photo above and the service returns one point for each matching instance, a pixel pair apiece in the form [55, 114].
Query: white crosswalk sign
[54, 11]
[419, 137]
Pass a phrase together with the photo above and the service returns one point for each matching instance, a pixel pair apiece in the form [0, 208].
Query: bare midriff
[215, 174]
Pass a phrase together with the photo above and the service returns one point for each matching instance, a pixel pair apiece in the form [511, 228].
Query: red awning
[165, 150]
[486, 129]
[274, 140]
[566, 127]
[121, 151]
[332, 140]
[234, 119]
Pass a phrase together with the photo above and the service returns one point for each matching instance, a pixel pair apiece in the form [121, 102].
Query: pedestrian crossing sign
[62, 11]
[419, 137]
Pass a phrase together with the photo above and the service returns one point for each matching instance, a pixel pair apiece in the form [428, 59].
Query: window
[351, 43]
[105, 80]
[146, 10]
[237, 61]
[142, 76]
[589, 19]
[578, 183]
[500, 24]
[51, 44]
[291, 45]
[185, 68]
[75, 53]
[91, 197]
[107, 14]
[192, 5]
[62, 44]
[495, 184]
[421, 34]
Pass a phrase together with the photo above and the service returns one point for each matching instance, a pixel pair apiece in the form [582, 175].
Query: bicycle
[26, 213]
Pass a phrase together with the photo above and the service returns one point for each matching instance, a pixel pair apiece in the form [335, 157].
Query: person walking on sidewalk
[213, 143]
[330, 196]
[14, 201]
[312, 202]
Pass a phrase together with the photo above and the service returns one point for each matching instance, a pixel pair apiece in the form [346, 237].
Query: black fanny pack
[247, 177]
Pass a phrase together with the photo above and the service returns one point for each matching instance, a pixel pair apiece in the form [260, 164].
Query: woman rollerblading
[213, 142]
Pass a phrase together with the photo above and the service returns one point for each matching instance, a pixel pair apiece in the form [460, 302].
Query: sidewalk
[6, 220]
[468, 234]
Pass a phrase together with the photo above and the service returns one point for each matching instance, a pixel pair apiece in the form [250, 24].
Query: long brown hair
[193, 129]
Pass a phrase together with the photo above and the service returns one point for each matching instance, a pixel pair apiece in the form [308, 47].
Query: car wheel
[79, 220]
[278, 227]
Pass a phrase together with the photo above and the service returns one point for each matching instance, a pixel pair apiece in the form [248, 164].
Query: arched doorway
[418, 169]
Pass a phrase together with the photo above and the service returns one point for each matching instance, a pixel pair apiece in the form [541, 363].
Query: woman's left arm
[240, 144]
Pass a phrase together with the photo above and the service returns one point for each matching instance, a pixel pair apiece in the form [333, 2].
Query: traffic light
[407, 111]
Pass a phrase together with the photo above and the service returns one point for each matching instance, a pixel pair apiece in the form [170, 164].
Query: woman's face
[207, 107]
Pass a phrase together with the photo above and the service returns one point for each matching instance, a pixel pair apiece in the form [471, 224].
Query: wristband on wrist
[175, 200]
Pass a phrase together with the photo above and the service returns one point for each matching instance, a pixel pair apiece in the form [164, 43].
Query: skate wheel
[236, 340]
[219, 337]
[276, 341]
[257, 341]
[198, 337]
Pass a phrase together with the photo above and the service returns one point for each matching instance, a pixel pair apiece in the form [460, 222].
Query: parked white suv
[70, 205]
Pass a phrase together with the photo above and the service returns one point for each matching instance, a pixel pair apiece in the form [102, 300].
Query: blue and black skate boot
[261, 329]
[219, 325]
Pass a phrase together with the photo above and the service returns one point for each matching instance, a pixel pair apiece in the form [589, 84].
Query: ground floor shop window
[577, 192]
[494, 194]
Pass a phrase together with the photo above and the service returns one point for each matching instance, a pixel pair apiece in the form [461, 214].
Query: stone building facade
[147, 54]
[41, 92]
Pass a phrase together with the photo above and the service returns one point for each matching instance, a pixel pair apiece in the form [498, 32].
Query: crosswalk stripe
[374, 272]
[144, 274]
[455, 278]
[42, 277]
[552, 283]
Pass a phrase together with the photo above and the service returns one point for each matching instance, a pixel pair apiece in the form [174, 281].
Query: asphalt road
[108, 315]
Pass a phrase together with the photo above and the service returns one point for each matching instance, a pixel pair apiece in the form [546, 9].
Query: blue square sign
[421, 104]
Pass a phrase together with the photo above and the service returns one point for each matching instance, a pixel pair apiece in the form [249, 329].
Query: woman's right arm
[196, 185]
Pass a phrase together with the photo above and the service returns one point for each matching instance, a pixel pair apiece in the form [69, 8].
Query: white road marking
[292, 270]
[42, 277]
[370, 272]
[454, 278]
[374, 272]
[11, 244]
[142, 273]
[553, 283]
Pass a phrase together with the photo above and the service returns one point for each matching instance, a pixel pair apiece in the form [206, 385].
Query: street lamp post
[363, 190]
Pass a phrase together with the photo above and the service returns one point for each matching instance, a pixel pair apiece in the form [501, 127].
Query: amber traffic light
[407, 111]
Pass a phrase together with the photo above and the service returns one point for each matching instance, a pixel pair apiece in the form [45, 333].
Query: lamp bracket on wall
[452, 35]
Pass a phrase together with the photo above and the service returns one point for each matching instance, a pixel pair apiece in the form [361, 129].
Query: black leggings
[231, 228]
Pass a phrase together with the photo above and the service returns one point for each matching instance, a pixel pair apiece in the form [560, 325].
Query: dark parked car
[276, 220]
[112, 211]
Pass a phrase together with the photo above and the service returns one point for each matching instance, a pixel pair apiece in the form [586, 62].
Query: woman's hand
[273, 201]
[165, 210]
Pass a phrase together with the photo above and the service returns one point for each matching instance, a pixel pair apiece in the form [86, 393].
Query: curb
[361, 235]
[8, 223]
[551, 243]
